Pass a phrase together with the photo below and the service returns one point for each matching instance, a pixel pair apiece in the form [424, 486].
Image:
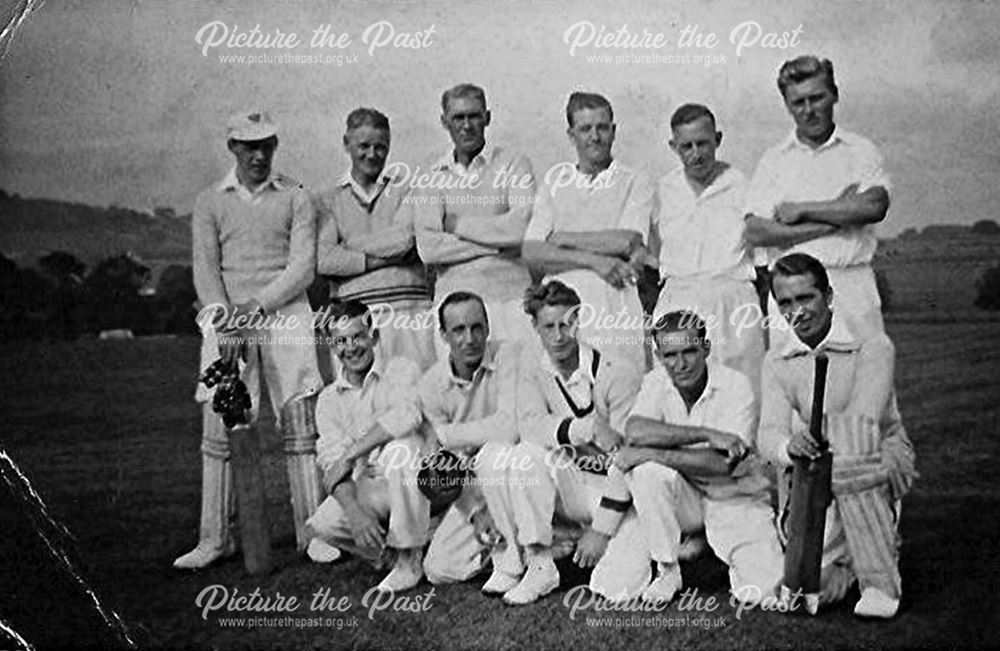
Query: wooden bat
[810, 497]
[248, 481]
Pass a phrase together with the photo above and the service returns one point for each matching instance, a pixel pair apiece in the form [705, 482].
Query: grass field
[108, 435]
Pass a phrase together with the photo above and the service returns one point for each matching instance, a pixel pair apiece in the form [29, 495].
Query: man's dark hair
[801, 264]
[805, 67]
[459, 297]
[338, 312]
[551, 293]
[688, 113]
[367, 117]
[578, 101]
[680, 320]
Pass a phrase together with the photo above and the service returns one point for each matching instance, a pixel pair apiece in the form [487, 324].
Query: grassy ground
[108, 435]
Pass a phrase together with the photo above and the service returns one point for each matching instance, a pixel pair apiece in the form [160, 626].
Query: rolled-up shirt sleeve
[761, 196]
[871, 169]
[637, 214]
[542, 222]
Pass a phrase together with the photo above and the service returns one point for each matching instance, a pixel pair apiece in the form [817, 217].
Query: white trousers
[455, 554]
[389, 490]
[740, 530]
[554, 491]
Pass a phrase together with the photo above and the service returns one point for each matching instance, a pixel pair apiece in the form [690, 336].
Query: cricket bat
[810, 497]
[248, 481]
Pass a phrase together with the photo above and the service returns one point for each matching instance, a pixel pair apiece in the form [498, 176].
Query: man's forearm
[650, 433]
[759, 231]
[555, 259]
[346, 493]
[869, 207]
[693, 463]
[614, 242]
[374, 438]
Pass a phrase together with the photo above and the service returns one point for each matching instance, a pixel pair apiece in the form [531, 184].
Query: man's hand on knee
[366, 529]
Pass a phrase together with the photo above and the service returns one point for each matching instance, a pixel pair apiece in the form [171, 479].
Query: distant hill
[30, 228]
[931, 269]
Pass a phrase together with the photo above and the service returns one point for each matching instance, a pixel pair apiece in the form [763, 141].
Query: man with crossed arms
[370, 441]
[688, 463]
[589, 230]
[470, 222]
[820, 191]
[468, 401]
[365, 243]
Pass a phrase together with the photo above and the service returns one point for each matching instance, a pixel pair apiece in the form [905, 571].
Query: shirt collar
[583, 371]
[488, 363]
[447, 162]
[347, 180]
[603, 178]
[711, 386]
[376, 372]
[792, 141]
[721, 183]
[840, 339]
[231, 183]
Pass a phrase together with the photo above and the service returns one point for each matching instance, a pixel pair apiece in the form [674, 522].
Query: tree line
[64, 299]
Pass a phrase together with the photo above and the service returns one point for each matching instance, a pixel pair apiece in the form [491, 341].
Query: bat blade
[810, 497]
[248, 482]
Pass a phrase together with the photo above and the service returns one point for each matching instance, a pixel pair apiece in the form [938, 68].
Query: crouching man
[468, 400]
[368, 450]
[689, 463]
[571, 407]
[873, 459]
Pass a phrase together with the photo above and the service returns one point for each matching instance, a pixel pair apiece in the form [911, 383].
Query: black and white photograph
[414, 324]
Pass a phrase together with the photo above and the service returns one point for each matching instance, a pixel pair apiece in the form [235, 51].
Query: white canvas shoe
[406, 572]
[500, 582]
[875, 603]
[320, 551]
[541, 578]
[204, 555]
[692, 546]
[665, 585]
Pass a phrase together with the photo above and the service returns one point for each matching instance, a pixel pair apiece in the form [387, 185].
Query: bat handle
[819, 396]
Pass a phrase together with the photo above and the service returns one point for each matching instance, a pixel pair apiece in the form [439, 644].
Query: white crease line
[25, 489]
[17, 638]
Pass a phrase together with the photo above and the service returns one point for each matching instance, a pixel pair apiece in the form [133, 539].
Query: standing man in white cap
[254, 254]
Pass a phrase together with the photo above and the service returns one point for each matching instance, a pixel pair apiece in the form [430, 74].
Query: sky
[120, 103]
